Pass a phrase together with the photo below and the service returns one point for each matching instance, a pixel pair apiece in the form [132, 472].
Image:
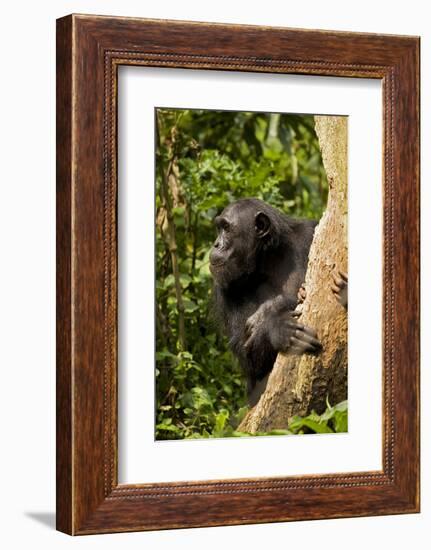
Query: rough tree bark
[298, 385]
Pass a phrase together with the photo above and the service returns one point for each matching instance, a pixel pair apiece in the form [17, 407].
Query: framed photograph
[237, 274]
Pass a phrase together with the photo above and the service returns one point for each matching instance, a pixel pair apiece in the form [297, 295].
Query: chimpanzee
[258, 263]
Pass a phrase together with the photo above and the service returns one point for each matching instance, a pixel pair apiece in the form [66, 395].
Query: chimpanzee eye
[222, 224]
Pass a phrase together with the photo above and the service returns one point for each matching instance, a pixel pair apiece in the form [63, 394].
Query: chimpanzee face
[241, 229]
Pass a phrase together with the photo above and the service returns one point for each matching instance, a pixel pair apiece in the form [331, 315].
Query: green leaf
[164, 354]
[342, 406]
[240, 434]
[190, 306]
[167, 427]
[169, 281]
[220, 421]
[185, 280]
[298, 423]
[340, 423]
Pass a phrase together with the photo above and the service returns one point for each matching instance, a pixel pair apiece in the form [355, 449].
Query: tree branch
[169, 179]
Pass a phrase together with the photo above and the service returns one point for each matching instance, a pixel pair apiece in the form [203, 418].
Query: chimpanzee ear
[262, 224]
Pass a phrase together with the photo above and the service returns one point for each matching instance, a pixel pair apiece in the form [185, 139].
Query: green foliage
[204, 161]
[334, 419]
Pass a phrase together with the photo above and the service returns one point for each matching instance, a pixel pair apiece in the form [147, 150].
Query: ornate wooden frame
[89, 50]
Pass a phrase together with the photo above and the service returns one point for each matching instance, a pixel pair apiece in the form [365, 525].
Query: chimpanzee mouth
[217, 268]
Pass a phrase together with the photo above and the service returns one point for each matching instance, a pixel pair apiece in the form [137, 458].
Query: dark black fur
[258, 262]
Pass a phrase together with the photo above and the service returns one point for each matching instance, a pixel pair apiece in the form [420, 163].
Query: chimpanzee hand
[281, 327]
[288, 335]
[339, 288]
[302, 294]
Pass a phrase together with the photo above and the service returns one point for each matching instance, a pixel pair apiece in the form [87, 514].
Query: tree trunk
[298, 385]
